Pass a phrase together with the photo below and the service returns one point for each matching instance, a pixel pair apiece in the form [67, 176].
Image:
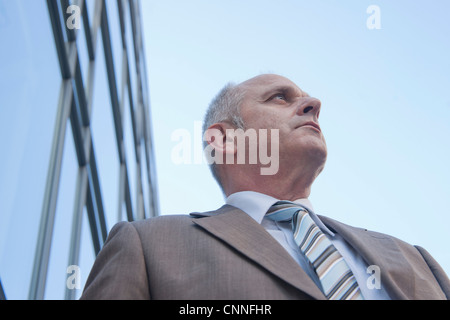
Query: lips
[312, 124]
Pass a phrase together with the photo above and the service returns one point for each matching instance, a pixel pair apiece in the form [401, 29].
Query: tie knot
[283, 210]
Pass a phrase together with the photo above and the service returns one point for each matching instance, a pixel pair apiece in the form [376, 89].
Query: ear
[217, 138]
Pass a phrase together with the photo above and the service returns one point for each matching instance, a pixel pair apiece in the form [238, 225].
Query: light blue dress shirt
[256, 206]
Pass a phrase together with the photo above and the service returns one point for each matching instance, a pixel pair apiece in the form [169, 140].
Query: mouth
[311, 124]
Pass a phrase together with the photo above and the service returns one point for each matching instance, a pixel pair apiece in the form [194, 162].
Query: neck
[285, 185]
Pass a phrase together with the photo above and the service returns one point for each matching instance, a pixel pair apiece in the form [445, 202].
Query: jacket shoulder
[162, 221]
[159, 229]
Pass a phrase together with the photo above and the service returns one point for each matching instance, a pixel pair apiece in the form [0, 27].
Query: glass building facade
[76, 139]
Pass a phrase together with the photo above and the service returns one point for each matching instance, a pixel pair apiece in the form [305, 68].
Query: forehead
[260, 85]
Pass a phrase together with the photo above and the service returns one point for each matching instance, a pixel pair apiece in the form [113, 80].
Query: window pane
[29, 88]
[130, 47]
[87, 254]
[104, 140]
[59, 255]
[90, 5]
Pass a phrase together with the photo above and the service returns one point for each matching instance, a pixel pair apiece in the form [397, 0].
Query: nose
[309, 105]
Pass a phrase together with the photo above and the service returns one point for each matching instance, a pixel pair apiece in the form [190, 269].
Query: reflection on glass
[29, 88]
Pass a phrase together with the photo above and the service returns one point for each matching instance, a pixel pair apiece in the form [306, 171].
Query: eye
[279, 96]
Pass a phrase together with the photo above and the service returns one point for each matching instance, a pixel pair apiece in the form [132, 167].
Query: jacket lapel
[240, 231]
[381, 250]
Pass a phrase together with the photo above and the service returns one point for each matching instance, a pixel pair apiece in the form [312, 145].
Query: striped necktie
[336, 278]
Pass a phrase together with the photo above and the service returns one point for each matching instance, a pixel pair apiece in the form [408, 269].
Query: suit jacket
[225, 254]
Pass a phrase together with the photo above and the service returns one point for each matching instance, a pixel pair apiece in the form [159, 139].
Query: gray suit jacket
[225, 254]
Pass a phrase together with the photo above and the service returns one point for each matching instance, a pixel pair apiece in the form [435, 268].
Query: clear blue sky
[384, 92]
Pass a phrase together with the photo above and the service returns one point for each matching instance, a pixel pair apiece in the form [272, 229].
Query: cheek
[266, 121]
[262, 118]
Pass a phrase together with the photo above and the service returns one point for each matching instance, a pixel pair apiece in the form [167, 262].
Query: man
[266, 242]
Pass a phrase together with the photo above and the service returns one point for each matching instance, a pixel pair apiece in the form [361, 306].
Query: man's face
[275, 102]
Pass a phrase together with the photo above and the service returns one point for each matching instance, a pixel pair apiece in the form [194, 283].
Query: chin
[312, 150]
[317, 155]
[311, 144]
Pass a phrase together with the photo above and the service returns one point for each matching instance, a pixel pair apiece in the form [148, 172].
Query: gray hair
[224, 107]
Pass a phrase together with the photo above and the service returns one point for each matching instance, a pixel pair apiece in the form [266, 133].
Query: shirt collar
[257, 204]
